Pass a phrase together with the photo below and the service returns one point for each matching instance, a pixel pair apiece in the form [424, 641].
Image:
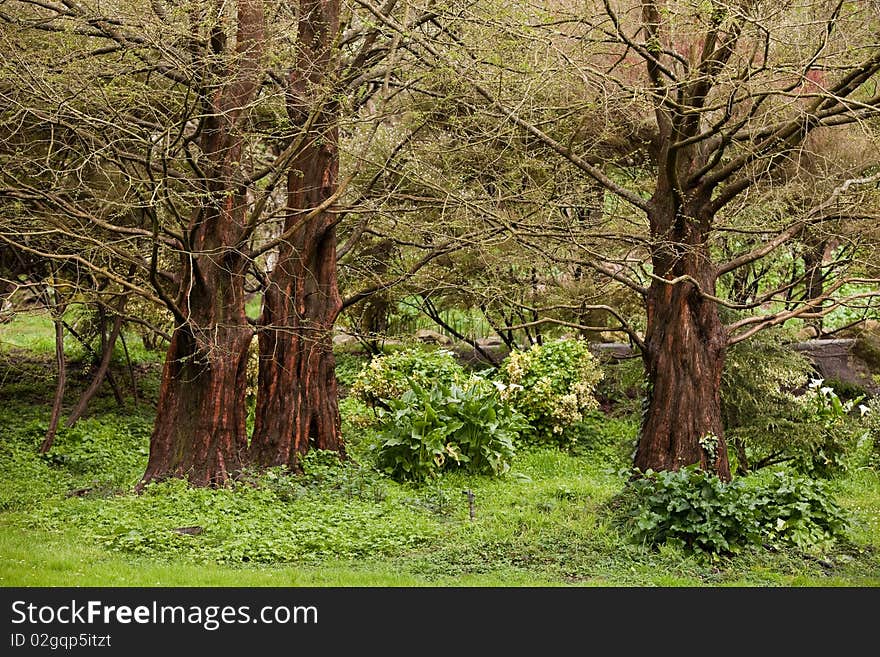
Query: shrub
[448, 426]
[692, 508]
[348, 366]
[798, 511]
[553, 386]
[359, 426]
[757, 383]
[387, 377]
[623, 386]
[769, 419]
[846, 390]
[695, 509]
[827, 431]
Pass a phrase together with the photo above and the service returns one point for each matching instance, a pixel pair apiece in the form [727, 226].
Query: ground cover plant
[555, 515]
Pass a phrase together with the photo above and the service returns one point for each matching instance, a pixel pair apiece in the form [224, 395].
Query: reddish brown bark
[200, 428]
[297, 390]
[685, 346]
[684, 360]
[685, 342]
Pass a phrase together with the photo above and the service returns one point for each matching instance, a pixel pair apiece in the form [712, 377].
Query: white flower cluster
[552, 392]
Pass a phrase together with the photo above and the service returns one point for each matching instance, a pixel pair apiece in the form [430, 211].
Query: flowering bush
[818, 438]
[871, 414]
[832, 431]
[387, 377]
[757, 383]
[553, 386]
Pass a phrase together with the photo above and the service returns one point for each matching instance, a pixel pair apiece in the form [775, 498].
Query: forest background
[439, 292]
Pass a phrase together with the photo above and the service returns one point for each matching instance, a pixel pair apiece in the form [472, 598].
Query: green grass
[549, 522]
[859, 493]
[545, 525]
[32, 332]
[30, 557]
[29, 331]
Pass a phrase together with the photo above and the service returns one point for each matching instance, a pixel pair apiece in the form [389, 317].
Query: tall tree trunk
[297, 404]
[297, 390]
[814, 279]
[685, 347]
[684, 359]
[200, 430]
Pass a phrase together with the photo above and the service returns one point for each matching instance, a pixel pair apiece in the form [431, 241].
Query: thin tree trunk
[431, 311]
[814, 280]
[117, 393]
[61, 364]
[130, 365]
[85, 345]
[742, 458]
[505, 336]
[106, 356]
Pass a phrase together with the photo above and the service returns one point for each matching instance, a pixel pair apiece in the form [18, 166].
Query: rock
[806, 334]
[612, 351]
[427, 335]
[80, 492]
[839, 360]
[342, 339]
[193, 530]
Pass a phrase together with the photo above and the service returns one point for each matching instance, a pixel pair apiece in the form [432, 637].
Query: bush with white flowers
[830, 429]
[870, 413]
[388, 376]
[553, 386]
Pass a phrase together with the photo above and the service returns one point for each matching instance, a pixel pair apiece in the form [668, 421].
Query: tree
[194, 164]
[191, 157]
[153, 167]
[711, 100]
[297, 397]
[332, 77]
[200, 429]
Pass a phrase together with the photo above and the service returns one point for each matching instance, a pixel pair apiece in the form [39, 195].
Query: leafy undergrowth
[71, 518]
[549, 521]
